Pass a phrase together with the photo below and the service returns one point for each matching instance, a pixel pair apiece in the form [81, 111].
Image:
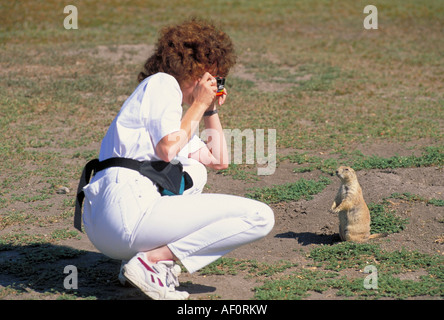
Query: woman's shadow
[47, 269]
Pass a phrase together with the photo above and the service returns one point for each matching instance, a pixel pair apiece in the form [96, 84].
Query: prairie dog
[354, 215]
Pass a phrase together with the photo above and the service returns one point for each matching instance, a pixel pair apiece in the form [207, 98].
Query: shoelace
[171, 277]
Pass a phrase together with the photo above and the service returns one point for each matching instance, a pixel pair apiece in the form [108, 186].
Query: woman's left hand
[221, 99]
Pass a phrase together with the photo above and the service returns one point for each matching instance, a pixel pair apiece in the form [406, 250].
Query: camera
[220, 86]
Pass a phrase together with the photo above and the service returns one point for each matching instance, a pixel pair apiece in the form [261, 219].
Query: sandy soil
[300, 226]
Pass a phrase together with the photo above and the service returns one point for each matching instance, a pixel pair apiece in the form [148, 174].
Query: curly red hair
[188, 50]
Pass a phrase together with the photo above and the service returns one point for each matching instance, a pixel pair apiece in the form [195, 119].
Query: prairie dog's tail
[378, 235]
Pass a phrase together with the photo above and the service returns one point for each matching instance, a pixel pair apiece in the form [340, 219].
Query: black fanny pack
[169, 178]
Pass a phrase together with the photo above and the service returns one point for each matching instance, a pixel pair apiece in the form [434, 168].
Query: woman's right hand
[203, 95]
[205, 91]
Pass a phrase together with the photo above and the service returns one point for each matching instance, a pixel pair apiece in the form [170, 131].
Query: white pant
[124, 215]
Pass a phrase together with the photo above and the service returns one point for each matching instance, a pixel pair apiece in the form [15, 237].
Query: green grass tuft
[301, 189]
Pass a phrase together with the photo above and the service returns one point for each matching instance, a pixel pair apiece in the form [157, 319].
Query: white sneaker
[156, 280]
[121, 277]
[173, 277]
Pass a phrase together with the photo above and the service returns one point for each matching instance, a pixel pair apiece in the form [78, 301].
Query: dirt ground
[300, 226]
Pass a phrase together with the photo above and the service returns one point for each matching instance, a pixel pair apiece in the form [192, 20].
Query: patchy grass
[307, 69]
[293, 191]
[415, 198]
[384, 220]
[330, 263]
[431, 156]
[231, 266]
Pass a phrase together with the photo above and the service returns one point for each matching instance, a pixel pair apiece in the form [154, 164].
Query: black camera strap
[170, 178]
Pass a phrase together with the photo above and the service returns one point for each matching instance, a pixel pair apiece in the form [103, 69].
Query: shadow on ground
[307, 238]
[41, 268]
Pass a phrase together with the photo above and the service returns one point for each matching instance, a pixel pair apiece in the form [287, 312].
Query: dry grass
[307, 69]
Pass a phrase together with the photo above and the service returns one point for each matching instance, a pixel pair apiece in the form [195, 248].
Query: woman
[125, 215]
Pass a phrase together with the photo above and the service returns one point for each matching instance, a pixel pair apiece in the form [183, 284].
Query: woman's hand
[205, 91]
[220, 101]
[201, 97]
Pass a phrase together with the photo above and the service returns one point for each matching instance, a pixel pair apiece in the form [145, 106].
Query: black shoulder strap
[95, 166]
[166, 175]
[84, 180]
[119, 162]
